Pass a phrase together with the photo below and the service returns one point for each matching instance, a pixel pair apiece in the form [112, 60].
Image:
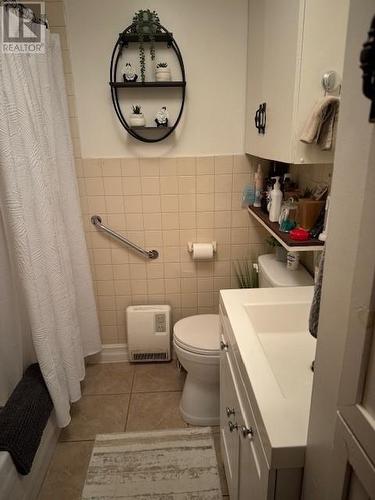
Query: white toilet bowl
[196, 341]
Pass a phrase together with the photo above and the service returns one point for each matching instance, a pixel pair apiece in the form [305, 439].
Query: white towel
[320, 127]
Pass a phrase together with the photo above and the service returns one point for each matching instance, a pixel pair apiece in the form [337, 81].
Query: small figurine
[129, 75]
[161, 117]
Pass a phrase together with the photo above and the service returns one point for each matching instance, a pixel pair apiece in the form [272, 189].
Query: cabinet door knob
[223, 346]
[229, 411]
[232, 426]
[247, 431]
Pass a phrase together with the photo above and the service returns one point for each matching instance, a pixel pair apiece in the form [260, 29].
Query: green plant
[137, 110]
[272, 242]
[162, 65]
[246, 274]
[146, 23]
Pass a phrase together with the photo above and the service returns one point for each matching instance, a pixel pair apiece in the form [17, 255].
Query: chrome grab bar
[149, 254]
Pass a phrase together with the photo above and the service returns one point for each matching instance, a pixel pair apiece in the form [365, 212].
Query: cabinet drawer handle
[229, 411]
[232, 426]
[247, 431]
[223, 346]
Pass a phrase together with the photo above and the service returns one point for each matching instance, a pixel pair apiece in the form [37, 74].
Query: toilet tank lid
[277, 273]
[200, 332]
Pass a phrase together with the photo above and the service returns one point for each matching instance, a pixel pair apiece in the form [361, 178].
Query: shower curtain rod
[22, 9]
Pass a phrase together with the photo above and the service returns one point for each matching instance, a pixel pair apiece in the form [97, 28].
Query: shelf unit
[129, 37]
[312, 245]
[150, 128]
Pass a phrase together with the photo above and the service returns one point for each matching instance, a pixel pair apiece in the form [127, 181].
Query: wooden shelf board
[133, 37]
[313, 245]
[140, 85]
[151, 128]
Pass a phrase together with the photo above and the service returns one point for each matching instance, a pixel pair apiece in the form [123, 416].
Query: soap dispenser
[275, 203]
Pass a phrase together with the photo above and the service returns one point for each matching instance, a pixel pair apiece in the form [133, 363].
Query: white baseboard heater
[149, 333]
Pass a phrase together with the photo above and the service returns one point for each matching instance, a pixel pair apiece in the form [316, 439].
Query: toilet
[274, 273]
[196, 341]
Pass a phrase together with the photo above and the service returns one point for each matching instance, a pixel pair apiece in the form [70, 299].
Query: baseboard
[110, 353]
[115, 353]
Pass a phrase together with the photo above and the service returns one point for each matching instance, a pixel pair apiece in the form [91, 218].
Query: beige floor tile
[154, 410]
[96, 415]
[67, 472]
[158, 377]
[108, 378]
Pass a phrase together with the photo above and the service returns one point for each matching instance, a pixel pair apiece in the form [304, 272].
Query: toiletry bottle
[248, 196]
[276, 200]
[258, 184]
[292, 261]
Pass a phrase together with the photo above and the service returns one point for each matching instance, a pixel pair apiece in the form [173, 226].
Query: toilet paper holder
[190, 246]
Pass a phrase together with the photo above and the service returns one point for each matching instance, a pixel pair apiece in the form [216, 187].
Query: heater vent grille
[150, 356]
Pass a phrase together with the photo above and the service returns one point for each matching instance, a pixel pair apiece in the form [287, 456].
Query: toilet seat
[198, 334]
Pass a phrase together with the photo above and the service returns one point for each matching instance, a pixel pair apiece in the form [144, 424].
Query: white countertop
[277, 368]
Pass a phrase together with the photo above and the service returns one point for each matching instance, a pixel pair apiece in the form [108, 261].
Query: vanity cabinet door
[228, 429]
[255, 480]
[245, 464]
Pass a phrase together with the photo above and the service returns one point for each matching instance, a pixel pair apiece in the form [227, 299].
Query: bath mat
[24, 417]
[175, 464]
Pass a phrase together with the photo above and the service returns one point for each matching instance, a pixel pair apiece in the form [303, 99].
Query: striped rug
[159, 465]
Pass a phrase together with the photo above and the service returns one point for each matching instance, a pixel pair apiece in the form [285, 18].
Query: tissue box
[307, 212]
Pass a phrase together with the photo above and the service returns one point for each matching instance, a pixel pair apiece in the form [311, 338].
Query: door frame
[346, 261]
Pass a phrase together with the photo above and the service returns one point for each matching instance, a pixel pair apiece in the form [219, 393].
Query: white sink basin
[282, 330]
[279, 318]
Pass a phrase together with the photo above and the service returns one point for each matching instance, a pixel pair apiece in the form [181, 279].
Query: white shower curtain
[41, 215]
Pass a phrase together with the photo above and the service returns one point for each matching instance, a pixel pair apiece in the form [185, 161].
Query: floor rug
[176, 464]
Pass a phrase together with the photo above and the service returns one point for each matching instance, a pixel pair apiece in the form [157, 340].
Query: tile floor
[116, 397]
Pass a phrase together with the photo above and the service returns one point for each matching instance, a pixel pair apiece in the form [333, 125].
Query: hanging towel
[24, 417]
[315, 306]
[320, 127]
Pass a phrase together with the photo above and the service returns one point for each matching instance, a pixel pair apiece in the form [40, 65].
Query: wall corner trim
[110, 353]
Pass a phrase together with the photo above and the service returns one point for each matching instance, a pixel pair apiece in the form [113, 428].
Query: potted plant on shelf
[162, 72]
[136, 118]
[146, 24]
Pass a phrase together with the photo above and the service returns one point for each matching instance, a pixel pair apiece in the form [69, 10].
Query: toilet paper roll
[203, 251]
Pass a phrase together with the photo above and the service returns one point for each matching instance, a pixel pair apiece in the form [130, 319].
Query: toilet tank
[273, 273]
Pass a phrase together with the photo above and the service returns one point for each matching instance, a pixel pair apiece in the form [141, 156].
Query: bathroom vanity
[265, 390]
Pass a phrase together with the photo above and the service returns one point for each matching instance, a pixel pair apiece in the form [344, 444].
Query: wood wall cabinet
[291, 44]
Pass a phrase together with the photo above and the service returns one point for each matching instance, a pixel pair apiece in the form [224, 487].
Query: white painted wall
[351, 158]
[212, 36]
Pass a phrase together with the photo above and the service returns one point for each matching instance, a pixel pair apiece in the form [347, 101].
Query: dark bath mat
[24, 417]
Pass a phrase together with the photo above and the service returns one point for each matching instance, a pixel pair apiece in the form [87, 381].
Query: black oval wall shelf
[124, 39]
